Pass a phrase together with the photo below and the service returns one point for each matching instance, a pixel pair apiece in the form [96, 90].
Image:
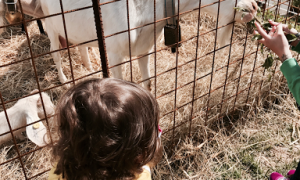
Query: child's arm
[291, 71]
[278, 43]
[296, 46]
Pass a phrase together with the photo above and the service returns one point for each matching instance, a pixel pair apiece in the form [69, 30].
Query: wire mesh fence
[196, 86]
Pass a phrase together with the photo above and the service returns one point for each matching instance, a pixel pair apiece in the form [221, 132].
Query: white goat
[81, 27]
[26, 111]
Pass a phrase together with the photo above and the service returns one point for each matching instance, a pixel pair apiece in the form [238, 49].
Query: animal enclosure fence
[196, 86]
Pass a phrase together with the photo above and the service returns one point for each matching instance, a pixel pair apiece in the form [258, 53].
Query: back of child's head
[108, 130]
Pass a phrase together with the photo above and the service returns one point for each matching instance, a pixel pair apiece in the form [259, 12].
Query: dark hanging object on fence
[12, 15]
[172, 36]
[11, 6]
[172, 30]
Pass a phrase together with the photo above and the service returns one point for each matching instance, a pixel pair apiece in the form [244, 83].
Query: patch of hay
[211, 151]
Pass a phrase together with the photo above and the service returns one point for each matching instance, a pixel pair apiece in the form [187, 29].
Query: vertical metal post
[213, 64]
[155, 52]
[195, 69]
[276, 63]
[228, 62]
[297, 17]
[176, 78]
[287, 12]
[252, 75]
[129, 39]
[101, 39]
[241, 70]
[67, 39]
[262, 80]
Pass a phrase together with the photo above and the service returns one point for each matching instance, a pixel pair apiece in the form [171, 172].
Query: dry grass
[260, 136]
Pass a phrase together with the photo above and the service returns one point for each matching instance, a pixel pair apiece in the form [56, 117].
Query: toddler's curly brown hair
[108, 129]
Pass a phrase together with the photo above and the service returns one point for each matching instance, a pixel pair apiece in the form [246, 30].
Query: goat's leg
[23, 28]
[115, 59]
[94, 53]
[85, 57]
[144, 68]
[224, 35]
[56, 56]
[40, 25]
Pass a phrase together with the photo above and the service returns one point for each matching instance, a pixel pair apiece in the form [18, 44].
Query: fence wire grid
[199, 84]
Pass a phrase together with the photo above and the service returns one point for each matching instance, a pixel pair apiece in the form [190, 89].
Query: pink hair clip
[160, 132]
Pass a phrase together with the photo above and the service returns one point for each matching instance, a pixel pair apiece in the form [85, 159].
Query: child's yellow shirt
[145, 175]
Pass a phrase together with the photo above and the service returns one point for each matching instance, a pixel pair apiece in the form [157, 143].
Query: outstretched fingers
[273, 23]
[261, 31]
[285, 27]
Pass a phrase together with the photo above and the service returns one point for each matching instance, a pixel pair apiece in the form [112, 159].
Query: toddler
[277, 42]
[108, 130]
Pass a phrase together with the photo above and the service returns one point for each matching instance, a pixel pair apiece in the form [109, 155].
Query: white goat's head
[37, 132]
[248, 10]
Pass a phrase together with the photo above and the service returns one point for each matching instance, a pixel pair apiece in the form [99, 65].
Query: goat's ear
[37, 131]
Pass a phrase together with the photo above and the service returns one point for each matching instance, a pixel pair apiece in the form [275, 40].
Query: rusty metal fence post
[101, 39]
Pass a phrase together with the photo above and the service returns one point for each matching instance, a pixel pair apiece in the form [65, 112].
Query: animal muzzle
[247, 10]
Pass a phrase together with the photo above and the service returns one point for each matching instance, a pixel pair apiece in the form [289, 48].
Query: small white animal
[26, 111]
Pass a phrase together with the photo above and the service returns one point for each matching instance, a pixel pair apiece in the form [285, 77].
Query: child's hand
[275, 40]
[285, 27]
